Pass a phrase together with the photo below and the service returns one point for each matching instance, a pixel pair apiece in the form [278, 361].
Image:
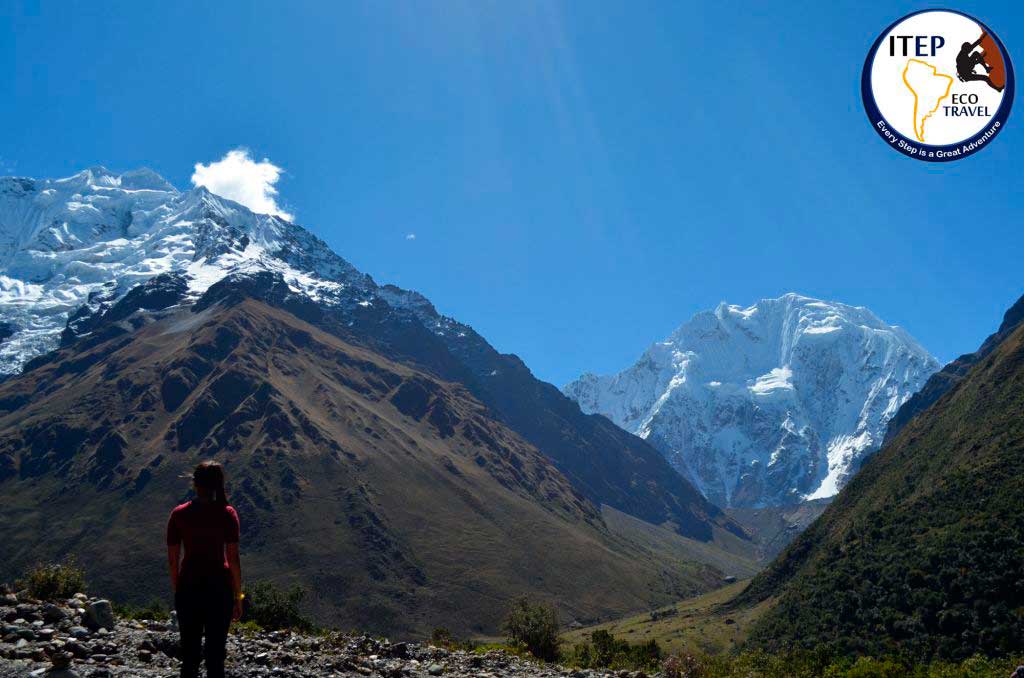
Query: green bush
[442, 637]
[272, 608]
[535, 627]
[606, 651]
[56, 581]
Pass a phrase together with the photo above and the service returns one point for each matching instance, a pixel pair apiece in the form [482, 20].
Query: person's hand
[237, 613]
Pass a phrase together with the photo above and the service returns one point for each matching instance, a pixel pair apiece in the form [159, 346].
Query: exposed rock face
[766, 405]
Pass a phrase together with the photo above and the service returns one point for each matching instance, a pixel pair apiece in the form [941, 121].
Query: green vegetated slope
[922, 554]
[395, 497]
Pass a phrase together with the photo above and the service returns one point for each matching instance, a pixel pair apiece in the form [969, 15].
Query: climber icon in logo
[938, 85]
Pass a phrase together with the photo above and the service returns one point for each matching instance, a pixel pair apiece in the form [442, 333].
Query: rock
[52, 613]
[99, 615]
[145, 656]
[77, 649]
[79, 632]
[60, 660]
[63, 673]
[45, 634]
[435, 669]
[9, 600]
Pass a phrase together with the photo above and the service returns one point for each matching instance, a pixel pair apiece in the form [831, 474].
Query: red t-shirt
[203, 528]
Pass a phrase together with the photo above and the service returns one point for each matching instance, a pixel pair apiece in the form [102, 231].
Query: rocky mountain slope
[392, 494]
[767, 405]
[922, 554]
[390, 454]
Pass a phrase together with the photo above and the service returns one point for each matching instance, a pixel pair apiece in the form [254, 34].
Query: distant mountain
[922, 554]
[767, 405]
[156, 327]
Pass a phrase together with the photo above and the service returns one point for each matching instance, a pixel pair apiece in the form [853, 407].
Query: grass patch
[154, 610]
[699, 626]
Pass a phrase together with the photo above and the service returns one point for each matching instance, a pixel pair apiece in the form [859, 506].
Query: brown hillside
[395, 497]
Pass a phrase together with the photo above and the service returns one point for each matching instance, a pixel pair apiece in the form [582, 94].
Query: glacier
[768, 405]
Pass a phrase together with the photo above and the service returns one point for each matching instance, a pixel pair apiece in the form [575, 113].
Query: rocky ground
[83, 637]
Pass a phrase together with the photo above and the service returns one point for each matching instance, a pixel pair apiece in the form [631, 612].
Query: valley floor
[40, 639]
[698, 625]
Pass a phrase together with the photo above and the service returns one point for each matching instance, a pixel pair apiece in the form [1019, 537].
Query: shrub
[55, 581]
[866, 667]
[606, 651]
[246, 628]
[684, 665]
[534, 626]
[272, 608]
[441, 637]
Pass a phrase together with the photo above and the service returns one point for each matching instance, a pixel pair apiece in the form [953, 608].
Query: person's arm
[235, 565]
[231, 537]
[173, 558]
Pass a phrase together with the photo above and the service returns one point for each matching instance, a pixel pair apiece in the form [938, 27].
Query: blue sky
[581, 177]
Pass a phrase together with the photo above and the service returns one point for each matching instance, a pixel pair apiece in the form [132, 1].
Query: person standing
[207, 578]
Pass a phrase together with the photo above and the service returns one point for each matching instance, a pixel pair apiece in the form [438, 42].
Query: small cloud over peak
[238, 177]
[410, 236]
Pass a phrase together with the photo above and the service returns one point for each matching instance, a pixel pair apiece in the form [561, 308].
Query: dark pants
[204, 608]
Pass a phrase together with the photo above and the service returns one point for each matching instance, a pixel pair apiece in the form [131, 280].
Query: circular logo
[938, 85]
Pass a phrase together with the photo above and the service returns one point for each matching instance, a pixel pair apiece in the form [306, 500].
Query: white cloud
[238, 177]
[411, 236]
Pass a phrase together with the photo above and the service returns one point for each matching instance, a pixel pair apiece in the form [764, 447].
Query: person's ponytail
[222, 495]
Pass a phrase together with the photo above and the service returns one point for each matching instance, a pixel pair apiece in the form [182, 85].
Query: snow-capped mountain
[87, 239]
[766, 405]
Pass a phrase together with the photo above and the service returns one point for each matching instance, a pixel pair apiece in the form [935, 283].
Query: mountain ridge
[945, 379]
